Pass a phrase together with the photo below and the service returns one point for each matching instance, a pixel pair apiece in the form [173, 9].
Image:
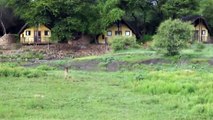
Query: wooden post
[106, 43]
[48, 43]
[66, 71]
[200, 31]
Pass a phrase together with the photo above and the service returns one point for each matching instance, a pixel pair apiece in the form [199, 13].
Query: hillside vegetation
[131, 85]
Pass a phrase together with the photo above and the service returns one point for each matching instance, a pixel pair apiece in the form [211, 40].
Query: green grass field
[179, 89]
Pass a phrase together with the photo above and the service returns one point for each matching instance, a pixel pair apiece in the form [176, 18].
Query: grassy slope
[150, 92]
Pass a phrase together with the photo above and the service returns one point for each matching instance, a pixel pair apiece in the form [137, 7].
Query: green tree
[172, 36]
[146, 15]
[179, 8]
[105, 12]
[65, 17]
[206, 10]
[139, 12]
[8, 21]
[68, 17]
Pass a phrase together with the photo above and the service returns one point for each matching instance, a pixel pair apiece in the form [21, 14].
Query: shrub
[35, 74]
[199, 47]
[122, 43]
[147, 38]
[9, 70]
[45, 68]
[32, 55]
[173, 35]
[139, 77]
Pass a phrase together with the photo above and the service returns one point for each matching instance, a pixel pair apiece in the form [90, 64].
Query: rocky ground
[57, 51]
[60, 51]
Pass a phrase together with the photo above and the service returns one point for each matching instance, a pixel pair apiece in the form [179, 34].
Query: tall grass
[13, 70]
[165, 91]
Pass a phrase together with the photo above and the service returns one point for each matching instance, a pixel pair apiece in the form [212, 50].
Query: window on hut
[109, 33]
[46, 33]
[28, 33]
[118, 33]
[127, 33]
[203, 32]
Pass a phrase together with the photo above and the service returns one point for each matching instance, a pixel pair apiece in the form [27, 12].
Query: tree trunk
[2, 23]
[3, 27]
[96, 40]
[22, 28]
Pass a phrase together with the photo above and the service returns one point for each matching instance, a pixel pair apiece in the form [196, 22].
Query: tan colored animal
[66, 71]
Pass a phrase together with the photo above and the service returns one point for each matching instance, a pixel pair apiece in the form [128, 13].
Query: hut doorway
[37, 37]
[196, 35]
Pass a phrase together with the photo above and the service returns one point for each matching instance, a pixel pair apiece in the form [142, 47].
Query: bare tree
[22, 28]
[1, 21]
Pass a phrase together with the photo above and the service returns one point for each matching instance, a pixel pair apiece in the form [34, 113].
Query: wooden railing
[44, 40]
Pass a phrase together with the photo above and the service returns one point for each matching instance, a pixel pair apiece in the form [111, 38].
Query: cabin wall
[200, 28]
[123, 28]
[30, 39]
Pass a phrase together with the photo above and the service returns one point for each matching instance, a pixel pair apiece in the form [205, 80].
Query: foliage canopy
[71, 18]
[68, 18]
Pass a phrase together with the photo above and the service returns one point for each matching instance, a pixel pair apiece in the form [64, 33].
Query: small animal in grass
[66, 71]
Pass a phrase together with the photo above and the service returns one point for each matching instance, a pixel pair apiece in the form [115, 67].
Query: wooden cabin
[40, 34]
[120, 28]
[201, 28]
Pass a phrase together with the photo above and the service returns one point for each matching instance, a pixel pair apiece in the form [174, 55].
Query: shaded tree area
[146, 15]
[9, 22]
[71, 18]
[206, 10]
[180, 8]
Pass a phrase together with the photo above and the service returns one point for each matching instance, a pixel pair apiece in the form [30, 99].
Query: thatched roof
[195, 20]
[129, 26]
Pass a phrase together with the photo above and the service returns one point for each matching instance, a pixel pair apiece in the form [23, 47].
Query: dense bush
[122, 43]
[12, 70]
[199, 47]
[45, 68]
[147, 38]
[172, 36]
[32, 55]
